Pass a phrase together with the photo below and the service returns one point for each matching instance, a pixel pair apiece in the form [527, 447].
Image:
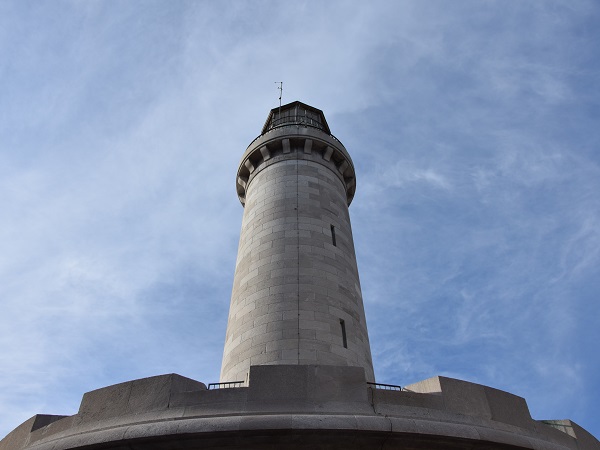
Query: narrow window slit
[333, 236]
[344, 340]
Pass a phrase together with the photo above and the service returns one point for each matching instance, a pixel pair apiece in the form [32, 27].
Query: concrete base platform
[329, 407]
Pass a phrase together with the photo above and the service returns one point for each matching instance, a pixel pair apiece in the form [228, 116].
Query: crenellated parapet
[298, 407]
[296, 141]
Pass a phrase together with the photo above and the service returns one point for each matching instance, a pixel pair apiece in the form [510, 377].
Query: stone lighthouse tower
[296, 296]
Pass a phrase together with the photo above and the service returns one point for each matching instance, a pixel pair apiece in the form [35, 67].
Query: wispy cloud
[472, 128]
[405, 173]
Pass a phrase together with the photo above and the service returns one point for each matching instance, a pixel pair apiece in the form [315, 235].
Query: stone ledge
[134, 397]
[194, 432]
[291, 143]
[171, 411]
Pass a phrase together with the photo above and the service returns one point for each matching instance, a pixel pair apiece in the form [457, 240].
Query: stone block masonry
[296, 295]
[295, 407]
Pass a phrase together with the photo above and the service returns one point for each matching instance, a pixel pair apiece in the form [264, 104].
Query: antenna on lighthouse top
[280, 87]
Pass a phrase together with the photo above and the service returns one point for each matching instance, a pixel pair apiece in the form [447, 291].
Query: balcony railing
[295, 120]
[385, 387]
[271, 129]
[225, 385]
[238, 384]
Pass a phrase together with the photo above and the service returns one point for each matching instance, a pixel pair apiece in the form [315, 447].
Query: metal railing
[385, 387]
[296, 120]
[238, 384]
[271, 129]
[225, 385]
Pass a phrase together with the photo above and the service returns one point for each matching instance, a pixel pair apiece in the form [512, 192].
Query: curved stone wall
[295, 407]
[282, 140]
[296, 297]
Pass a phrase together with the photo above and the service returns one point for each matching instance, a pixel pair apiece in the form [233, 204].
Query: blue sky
[473, 126]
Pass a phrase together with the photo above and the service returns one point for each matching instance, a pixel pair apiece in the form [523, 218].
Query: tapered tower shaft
[296, 295]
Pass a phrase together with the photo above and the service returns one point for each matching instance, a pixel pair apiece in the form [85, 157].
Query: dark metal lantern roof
[296, 113]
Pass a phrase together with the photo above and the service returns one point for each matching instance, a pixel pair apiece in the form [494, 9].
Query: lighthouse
[296, 295]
